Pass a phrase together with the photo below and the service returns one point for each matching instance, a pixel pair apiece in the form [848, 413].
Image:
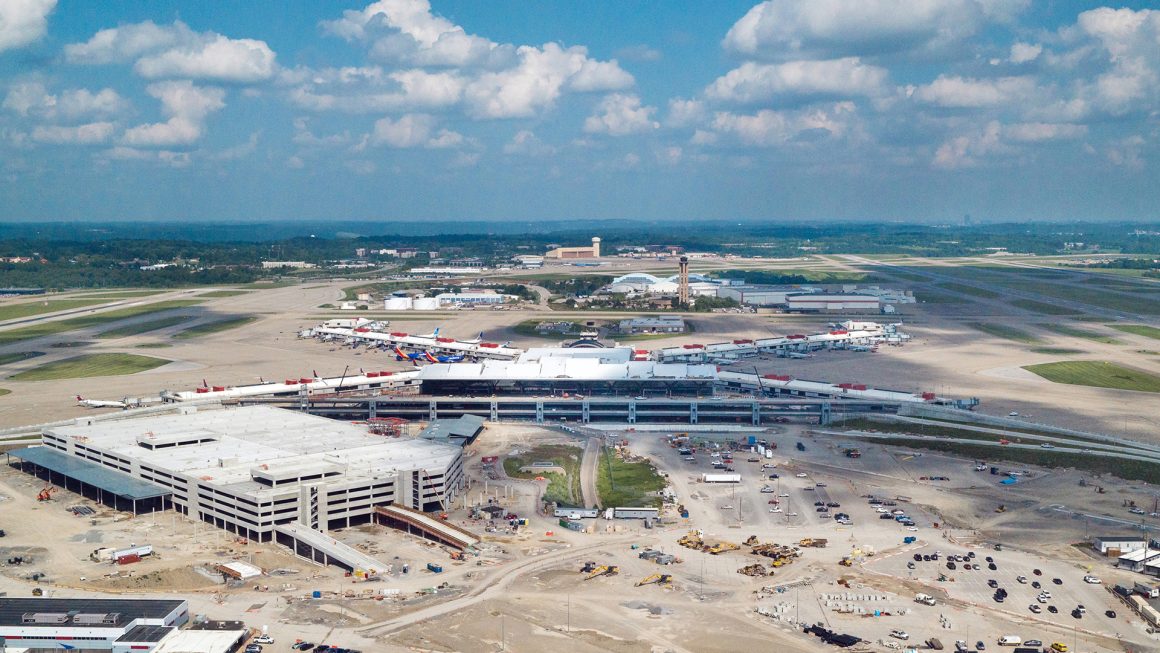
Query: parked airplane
[862, 348]
[97, 403]
[797, 354]
[433, 358]
[474, 341]
[401, 355]
[433, 334]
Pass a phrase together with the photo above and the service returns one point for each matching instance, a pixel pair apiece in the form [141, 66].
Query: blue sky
[407, 110]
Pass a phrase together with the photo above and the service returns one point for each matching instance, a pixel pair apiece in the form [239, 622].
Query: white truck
[1149, 591]
[925, 599]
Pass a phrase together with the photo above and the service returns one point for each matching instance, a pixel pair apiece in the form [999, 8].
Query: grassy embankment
[1138, 329]
[562, 488]
[1097, 374]
[91, 365]
[144, 327]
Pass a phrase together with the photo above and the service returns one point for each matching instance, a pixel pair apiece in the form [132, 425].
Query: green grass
[214, 294]
[6, 359]
[1041, 307]
[1057, 351]
[1004, 331]
[1067, 330]
[4, 391]
[91, 365]
[144, 327]
[1097, 374]
[28, 309]
[562, 488]
[622, 483]
[968, 290]
[1090, 296]
[90, 320]
[152, 345]
[214, 327]
[1138, 329]
[122, 294]
[1130, 470]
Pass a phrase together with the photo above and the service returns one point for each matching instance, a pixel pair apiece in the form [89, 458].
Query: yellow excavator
[603, 570]
[658, 579]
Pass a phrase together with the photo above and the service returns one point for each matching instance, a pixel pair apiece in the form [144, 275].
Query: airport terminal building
[251, 469]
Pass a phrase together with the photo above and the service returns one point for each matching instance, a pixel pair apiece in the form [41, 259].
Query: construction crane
[603, 570]
[658, 579]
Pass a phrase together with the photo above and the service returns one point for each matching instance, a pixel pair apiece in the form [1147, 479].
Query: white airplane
[97, 403]
[433, 334]
[474, 341]
[795, 354]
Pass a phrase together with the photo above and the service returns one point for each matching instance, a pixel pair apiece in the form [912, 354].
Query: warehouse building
[653, 324]
[830, 302]
[753, 295]
[576, 252]
[248, 470]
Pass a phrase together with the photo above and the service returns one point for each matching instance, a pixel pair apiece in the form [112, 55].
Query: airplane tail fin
[316, 374]
[204, 384]
[80, 398]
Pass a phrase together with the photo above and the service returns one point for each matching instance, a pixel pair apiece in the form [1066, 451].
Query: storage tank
[397, 304]
[425, 304]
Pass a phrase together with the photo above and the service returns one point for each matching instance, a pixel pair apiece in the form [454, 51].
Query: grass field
[927, 297]
[564, 488]
[121, 294]
[28, 309]
[1090, 296]
[1138, 329]
[214, 294]
[1004, 331]
[4, 391]
[622, 483]
[968, 290]
[1098, 374]
[1041, 307]
[144, 327]
[6, 359]
[91, 365]
[1057, 351]
[214, 327]
[152, 345]
[1066, 330]
[90, 320]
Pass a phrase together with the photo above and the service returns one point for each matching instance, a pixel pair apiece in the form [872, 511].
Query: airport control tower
[683, 282]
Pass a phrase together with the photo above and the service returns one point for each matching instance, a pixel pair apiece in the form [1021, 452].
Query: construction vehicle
[692, 540]
[655, 579]
[588, 566]
[603, 570]
[814, 542]
[756, 569]
[45, 493]
[846, 562]
[751, 540]
[852, 453]
[1001, 508]
[722, 547]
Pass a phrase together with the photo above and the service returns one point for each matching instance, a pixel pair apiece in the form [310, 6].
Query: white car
[1041, 598]
[791, 514]
[899, 634]
[881, 510]
[801, 474]
[1045, 594]
[1047, 445]
[263, 639]
[784, 495]
[775, 509]
[1092, 580]
[1035, 608]
[912, 528]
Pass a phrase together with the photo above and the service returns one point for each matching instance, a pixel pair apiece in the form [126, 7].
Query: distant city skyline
[404, 110]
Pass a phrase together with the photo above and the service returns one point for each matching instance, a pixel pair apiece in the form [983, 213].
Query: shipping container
[720, 478]
[434, 568]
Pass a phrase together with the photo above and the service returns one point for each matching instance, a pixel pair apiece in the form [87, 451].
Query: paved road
[588, 472]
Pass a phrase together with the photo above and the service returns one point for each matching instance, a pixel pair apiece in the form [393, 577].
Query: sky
[892, 110]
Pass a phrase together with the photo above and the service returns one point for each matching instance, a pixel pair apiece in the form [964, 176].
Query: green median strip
[29, 309]
[1097, 374]
[91, 365]
[1004, 331]
[1138, 329]
[91, 320]
[144, 327]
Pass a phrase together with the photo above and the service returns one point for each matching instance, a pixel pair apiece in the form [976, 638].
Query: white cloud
[33, 98]
[1132, 41]
[754, 82]
[492, 81]
[187, 107]
[619, 115]
[683, 113]
[176, 51]
[639, 52]
[23, 22]
[960, 92]
[361, 166]
[413, 130]
[782, 27]
[1025, 52]
[217, 57]
[768, 128]
[88, 134]
[527, 143]
[1036, 132]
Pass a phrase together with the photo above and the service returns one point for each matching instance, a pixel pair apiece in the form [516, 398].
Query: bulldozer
[603, 570]
[655, 579]
[751, 540]
[692, 540]
[846, 562]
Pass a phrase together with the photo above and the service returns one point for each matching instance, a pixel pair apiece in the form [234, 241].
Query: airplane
[794, 354]
[433, 334]
[861, 348]
[431, 358]
[474, 341]
[97, 403]
[404, 356]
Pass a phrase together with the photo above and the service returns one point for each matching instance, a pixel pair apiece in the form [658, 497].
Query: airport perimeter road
[588, 471]
[1093, 441]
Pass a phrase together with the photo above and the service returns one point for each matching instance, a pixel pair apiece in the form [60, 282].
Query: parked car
[899, 634]
[263, 639]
